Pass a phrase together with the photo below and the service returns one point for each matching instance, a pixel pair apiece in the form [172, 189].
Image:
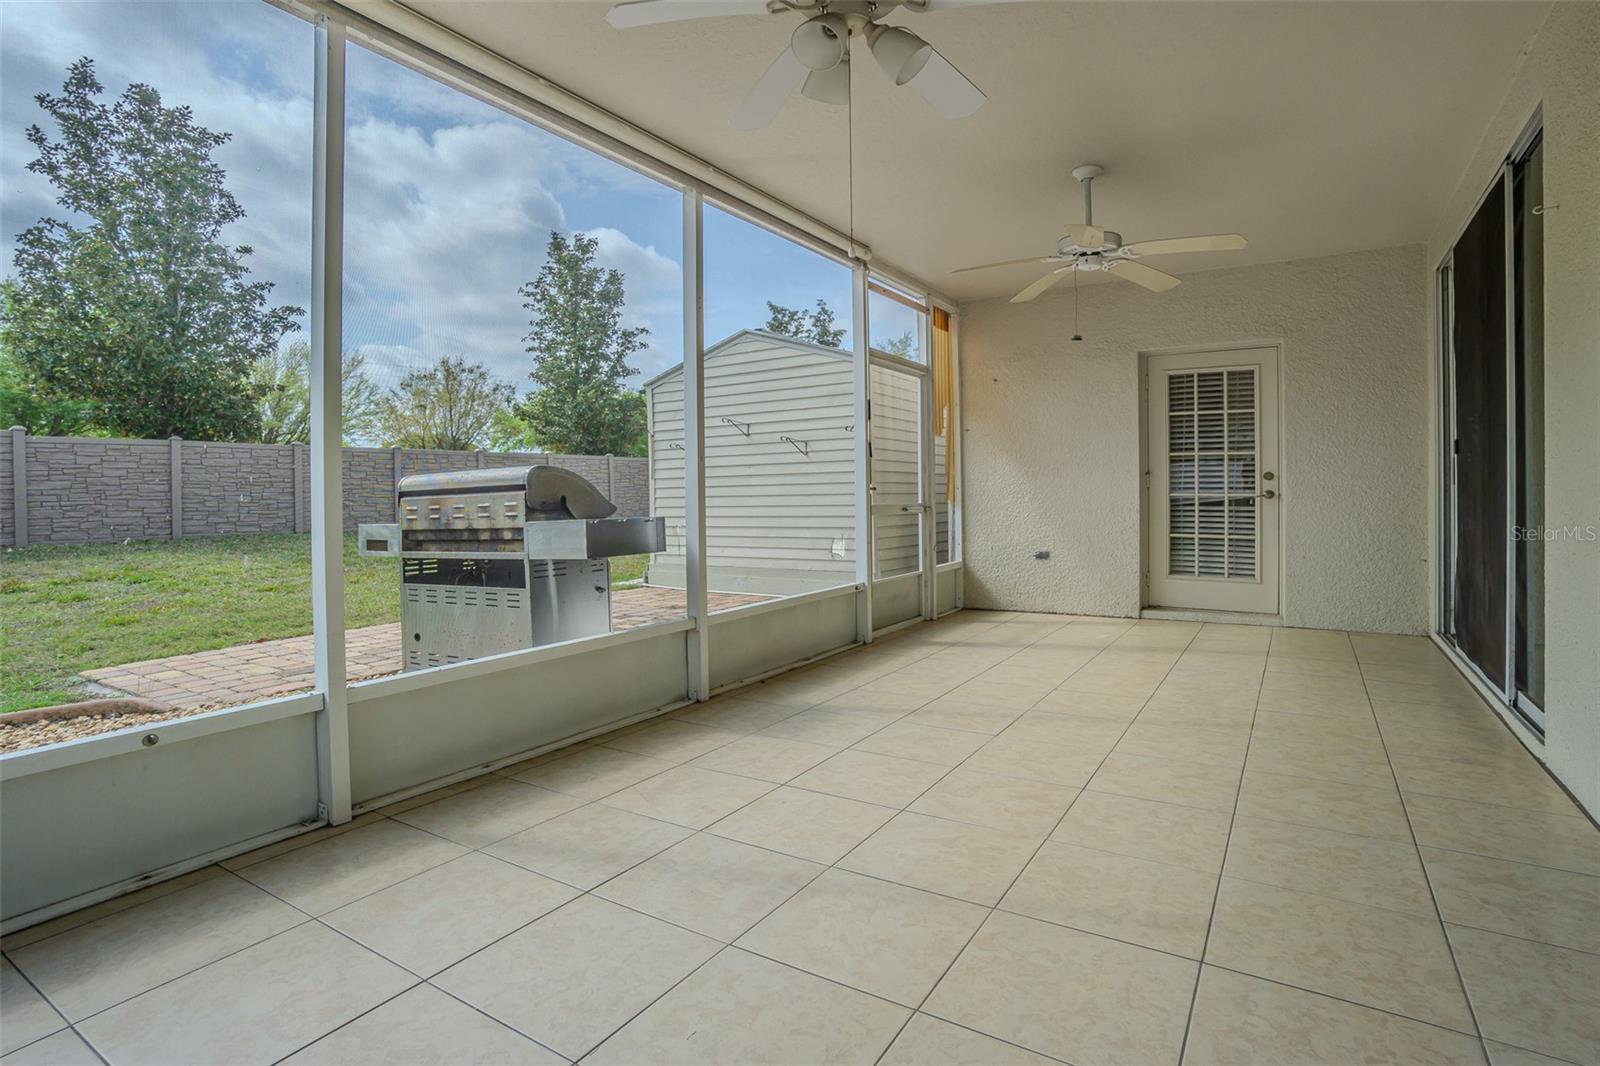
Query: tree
[580, 355]
[904, 346]
[815, 325]
[452, 405]
[281, 381]
[141, 310]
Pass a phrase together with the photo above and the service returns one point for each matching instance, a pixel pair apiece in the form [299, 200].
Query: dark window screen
[1479, 269]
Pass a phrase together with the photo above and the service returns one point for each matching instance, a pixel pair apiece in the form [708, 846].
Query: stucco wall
[1053, 435]
[1561, 70]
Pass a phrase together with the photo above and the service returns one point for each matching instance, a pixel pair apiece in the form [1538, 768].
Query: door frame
[1144, 471]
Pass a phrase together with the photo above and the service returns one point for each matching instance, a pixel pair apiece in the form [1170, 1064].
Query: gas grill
[503, 559]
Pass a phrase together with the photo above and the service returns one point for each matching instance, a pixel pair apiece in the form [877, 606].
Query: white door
[1213, 484]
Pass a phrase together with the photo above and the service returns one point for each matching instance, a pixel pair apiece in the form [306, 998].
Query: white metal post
[863, 419]
[694, 440]
[955, 460]
[928, 517]
[327, 490]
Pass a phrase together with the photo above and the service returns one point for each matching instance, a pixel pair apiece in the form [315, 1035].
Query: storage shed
[780, 466]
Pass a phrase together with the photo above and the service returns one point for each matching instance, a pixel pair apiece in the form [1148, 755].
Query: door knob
[1268, 495]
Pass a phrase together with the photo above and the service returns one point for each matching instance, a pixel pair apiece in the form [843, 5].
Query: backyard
[71, 608]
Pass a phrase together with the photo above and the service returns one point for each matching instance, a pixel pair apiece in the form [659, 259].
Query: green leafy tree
[815, 325]
[281, 381]
[25, 402]
[138, 307]
[904, 346]
[451, 405]
[580, 355]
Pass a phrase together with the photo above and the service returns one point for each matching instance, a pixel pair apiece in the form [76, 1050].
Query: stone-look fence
[76, 490]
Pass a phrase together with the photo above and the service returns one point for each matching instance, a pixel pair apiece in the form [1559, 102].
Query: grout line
[1427, 879]
[1216, 892]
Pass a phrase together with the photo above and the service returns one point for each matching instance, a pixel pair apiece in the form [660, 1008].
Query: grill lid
[551, 491]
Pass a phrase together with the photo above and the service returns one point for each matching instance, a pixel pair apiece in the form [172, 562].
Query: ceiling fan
[1089, 247]
[816, 63]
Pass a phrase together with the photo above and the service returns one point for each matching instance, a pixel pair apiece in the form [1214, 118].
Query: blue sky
[449, 201]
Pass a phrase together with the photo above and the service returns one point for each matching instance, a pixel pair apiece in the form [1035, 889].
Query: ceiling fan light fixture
[901, 53]
[828, 86]
[819, 43]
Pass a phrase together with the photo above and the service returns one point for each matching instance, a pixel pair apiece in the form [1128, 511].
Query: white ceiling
[1313, 128]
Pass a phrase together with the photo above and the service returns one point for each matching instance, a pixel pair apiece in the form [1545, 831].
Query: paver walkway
[243, 673]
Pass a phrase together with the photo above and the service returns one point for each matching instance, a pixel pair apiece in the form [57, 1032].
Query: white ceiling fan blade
[1087, 236]
[651, 12]
[1039, 286]
[1147, 276]
[1216, 242]
[946, 5]
[946, 88]
[1002, 263]
[786, 75]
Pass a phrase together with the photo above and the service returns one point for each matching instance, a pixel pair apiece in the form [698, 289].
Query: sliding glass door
[1491, 327]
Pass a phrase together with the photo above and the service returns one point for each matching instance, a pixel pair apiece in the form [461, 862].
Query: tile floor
[997, 838]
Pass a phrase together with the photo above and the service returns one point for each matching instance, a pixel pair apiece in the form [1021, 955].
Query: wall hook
[803, 447]
[742, 427]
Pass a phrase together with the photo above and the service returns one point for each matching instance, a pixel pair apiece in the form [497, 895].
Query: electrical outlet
[1044, 554]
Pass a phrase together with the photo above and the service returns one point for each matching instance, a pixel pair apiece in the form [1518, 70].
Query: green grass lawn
[69, 608]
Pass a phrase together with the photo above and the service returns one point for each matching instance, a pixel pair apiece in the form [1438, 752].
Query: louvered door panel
[1213, 516]
[1213, 537]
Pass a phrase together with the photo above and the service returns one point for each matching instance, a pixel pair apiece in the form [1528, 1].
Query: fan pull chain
[1075, 334]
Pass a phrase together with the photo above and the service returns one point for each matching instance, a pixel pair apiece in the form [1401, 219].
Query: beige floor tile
[1009, 803]
[765, 758]
[714, 886]
[688, 796]
[1506, 1055]
[808, 825]
[881, 779]
[1136, 900]
[344, 868]
[574, 976]
[1369, 870]
[930, 1041]
[1222, 746]
[1311, 644]
[254, 1006]
[1286, 699]
[1146, 829]
[1112, 708]
[734, 714]
[831, 726]
[425, 1027]
[875, 936]
[1568, 842]
[34, 933]
[65, 1048]
[1284, 666]
[1097, 735]
[670, 739]
[953, 712]
[1324, 760]
[1188, 784]
[1533, 902]
[1273, 725]
[592, 772]
[589, 845]
[1534, 996]
[1517, 782]
[1432, 692]
[1360, 809]
[490, 812]
[442, 915]
[25, 1015]
[288, 844]
[1381, 958]
[952, 858]
[87, 969]
[1068, 994]
[740, 1009]
[1037, 760]
[1240, 1019]
[906, 739]
[1182, 708]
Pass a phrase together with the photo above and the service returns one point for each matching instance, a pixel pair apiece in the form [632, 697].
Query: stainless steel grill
[503, 559]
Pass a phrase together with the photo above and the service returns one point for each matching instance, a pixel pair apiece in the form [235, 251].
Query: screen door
[1212, 480]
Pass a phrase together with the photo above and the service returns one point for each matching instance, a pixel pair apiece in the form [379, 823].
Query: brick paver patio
[225, 677]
